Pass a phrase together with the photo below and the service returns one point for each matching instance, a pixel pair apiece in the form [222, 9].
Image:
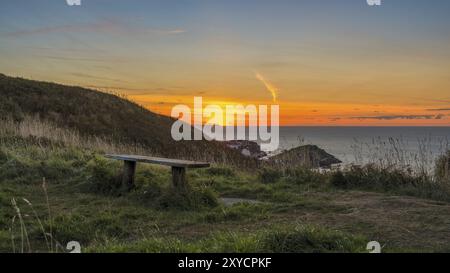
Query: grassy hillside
[225, 210]
[93, 113]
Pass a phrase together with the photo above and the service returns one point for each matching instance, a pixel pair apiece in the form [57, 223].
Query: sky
[325, 62]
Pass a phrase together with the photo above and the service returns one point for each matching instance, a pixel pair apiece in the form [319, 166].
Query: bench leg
[129, 168]
[179, 177]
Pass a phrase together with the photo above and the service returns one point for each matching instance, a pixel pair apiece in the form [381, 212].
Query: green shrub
[375, 178]
[103, 177]
[303, 176]
[221, 171]
[76, 227]
[288, 240]
[270, 175]
[55, 169]
[221, 242]
[311, 240]
[71, 227]
[338, 180]
[204, 197]
[398, 181]
[191, 198]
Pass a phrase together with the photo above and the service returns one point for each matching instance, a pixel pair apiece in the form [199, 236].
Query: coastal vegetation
[56, 186]
[63, 192]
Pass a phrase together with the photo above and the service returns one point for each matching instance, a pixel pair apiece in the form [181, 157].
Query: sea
[413, 146]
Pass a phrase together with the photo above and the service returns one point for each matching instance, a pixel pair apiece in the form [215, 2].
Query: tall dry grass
[52, 245]
[397, 153]
[50, 134]
[34, 127]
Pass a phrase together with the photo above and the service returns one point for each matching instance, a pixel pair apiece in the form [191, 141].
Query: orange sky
[318, 113]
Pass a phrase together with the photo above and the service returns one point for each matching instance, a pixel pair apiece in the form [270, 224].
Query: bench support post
[129, 168]
[179, 177]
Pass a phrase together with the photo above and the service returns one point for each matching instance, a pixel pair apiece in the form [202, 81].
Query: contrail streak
[272, 88]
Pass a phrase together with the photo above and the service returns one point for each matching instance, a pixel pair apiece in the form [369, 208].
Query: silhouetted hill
[95, 113]
[309, 156]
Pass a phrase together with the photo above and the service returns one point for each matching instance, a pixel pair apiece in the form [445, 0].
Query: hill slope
[95, 113]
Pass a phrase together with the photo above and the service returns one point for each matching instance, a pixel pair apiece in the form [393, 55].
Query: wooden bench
[178, 168]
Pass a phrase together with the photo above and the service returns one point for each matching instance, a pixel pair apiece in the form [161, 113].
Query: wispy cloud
[438, 109]
[393, 117]
[80, 59]
[270, 87]
[113, 26]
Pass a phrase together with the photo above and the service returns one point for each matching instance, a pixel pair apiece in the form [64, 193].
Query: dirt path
[233, 201]
[395, 221]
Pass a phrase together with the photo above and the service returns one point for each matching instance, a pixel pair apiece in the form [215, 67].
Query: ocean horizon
[410, 145]
[417, 146]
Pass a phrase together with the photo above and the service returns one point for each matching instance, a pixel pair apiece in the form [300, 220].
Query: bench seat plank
[161, 161]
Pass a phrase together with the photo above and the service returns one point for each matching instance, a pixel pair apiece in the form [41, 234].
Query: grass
[392, 180]
[442, 168]
[298, 210]
[297, 239]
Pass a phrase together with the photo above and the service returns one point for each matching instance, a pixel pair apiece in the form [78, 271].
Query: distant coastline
[366, 144]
